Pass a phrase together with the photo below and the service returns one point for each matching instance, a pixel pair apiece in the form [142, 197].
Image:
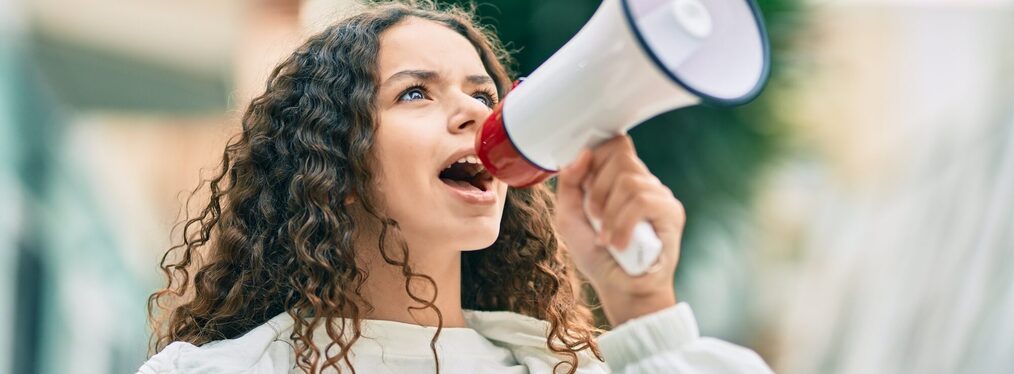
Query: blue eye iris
[412, 95]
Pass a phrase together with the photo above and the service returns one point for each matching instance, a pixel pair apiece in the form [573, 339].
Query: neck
[385, 287]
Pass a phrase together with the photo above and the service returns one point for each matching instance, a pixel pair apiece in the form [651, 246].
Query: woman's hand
[622, 192]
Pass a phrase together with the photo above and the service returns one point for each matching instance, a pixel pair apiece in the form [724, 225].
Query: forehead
[423, 44]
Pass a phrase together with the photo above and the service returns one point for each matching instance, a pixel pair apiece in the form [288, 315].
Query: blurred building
[888, 231]
[108, 110]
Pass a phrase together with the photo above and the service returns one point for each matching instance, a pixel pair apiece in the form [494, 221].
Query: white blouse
[666, 341]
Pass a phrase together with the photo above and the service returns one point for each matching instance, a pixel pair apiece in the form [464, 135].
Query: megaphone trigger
[642, 253]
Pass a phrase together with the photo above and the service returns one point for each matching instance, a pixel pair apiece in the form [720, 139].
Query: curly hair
[276, 238]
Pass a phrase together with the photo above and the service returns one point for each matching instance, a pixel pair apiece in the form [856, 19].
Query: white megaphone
[633, 60]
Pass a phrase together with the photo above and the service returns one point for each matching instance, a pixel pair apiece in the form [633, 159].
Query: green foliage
[708, 156]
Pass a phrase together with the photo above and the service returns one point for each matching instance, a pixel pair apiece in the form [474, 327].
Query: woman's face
[434, 93]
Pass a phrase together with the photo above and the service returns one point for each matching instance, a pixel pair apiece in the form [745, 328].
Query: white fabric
[494, 342]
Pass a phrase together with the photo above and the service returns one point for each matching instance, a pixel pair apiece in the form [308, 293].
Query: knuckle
[627, 141]
[636, 182]
[649, 182]
[629, 181]
[620, 144]
[641, 164]
[668, 191]
[679, 210]
[642, 200]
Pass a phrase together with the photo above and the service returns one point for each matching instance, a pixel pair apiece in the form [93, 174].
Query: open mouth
[467, 173]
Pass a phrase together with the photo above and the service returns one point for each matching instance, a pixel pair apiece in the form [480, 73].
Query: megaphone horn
[633, 60]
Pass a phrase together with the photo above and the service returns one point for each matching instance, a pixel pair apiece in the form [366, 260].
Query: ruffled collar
[497, 336]
[483, 331]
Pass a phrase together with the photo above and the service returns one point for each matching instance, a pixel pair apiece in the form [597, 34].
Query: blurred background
[857, 218]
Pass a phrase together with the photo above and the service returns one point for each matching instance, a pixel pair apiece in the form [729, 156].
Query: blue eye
[412, 94]
[486, 98]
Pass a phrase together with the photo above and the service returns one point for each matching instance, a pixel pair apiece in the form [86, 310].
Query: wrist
[621, 307]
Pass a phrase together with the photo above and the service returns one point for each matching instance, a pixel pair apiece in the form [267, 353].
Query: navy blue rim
[705, 98]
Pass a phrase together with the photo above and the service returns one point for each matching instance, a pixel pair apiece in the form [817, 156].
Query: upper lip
[470, 151]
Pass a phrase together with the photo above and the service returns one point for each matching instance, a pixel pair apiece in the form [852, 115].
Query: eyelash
[414, 86]
[489, 94]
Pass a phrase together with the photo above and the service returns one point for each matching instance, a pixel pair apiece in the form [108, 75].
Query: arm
[653, 333]
[668, 341]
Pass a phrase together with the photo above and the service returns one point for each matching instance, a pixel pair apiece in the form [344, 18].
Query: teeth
[474, 160]
[468, 160]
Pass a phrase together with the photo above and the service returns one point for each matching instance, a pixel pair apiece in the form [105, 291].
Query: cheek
[401, 169]
[502, 191]
[403, 150]
[400, 144]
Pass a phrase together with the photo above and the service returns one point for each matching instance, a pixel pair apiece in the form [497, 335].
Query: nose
[470, 113]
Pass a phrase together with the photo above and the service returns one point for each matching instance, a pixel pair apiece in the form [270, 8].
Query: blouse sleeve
[165, 361]
[248, 356]
[668, 341]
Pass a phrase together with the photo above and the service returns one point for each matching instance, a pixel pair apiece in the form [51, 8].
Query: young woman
[351, 229]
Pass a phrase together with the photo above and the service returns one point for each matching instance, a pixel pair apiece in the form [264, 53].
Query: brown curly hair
[276, 237]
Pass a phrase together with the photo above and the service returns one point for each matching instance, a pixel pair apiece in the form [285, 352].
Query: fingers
[628, 187]
[572, 176]
[663, 212]
[611, 162]
[619, 143]
[623, 192]
[568, 183]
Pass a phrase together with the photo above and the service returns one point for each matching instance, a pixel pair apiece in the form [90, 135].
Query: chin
[480, 238]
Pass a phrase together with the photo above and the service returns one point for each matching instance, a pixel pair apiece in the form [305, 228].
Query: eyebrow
[429, 76]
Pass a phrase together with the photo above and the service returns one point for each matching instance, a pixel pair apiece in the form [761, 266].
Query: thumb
[570, 179]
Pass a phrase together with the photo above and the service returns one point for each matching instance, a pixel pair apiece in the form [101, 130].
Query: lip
[486, 197]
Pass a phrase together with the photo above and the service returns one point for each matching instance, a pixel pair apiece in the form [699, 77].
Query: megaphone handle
[641, 253]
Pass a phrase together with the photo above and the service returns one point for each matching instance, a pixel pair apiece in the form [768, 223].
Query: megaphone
[633, 60]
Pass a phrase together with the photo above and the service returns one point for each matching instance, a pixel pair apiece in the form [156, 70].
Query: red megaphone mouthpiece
[502, 158]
